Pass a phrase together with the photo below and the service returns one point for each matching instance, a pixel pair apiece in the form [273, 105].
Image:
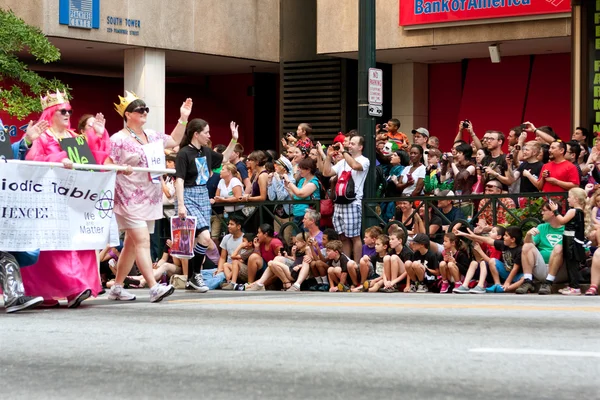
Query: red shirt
[564, 171]
[269, 253]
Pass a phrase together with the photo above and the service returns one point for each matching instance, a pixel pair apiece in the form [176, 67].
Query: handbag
[178, 281]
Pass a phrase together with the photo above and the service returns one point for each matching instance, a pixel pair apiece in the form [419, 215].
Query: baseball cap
[285, 163]
[446, 193]
[422, 131]
[421, 238]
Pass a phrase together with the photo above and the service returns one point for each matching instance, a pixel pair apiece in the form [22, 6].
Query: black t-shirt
[535, 169]
[429, 260]
[191, 161]
[452, 215]
[510, 256]
[462, 259]
[405, 254]
[497, 164]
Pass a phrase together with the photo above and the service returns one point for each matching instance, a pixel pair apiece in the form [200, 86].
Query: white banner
[54, 208]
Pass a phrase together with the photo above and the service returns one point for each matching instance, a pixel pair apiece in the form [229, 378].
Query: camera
[509, 156]
[517, 147]
[523, 126]
[481, 168]
[336, 146]
[466, 123]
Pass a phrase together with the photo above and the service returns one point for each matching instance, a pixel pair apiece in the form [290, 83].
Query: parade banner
[54, 208]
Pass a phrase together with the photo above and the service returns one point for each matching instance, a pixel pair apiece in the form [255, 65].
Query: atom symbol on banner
[105, 204]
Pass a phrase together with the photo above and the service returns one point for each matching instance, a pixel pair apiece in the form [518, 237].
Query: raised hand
[186, 109]
[99, 123]
[68, 164]
[35, 130]
[234, 130]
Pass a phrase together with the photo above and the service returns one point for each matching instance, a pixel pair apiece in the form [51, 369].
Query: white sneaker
[118, 293]
[159, 292]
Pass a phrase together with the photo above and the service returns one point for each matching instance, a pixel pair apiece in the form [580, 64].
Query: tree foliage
[23, 97]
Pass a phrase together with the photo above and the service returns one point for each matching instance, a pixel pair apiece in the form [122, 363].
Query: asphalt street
[275, 345]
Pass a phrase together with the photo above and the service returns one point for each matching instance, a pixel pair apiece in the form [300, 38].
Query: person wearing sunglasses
[60, 274]
[138, 195]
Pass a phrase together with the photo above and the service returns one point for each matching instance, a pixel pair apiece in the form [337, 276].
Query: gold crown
[53, 99]
[125, 102]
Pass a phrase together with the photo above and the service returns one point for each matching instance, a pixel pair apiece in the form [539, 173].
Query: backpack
[344, 189]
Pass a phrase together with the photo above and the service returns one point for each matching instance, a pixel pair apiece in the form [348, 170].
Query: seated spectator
[338, 264]
[508, 268]
[377, 267]
[297, 272]
[447, 211]
[494, 187]
[424, 266]
[229, 244]
[239, 260]
[455, 262]
[266, 248]
[539, 257]
[319, 264]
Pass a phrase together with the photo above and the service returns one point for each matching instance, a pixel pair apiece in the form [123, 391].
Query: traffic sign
[375, 86]
[375, 110]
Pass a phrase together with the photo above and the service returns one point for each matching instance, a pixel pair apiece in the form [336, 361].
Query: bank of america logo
[80, 13]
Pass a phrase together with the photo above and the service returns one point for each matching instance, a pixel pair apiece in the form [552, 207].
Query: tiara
[125, 102]
[53, 99]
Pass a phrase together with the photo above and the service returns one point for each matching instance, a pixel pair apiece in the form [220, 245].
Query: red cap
[339, 138]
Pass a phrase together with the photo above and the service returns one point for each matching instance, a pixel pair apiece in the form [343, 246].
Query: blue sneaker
[495, 289]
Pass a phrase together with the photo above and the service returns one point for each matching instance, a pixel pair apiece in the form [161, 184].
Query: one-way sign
[375, 110]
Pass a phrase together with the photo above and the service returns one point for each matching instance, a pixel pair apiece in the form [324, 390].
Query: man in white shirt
[347, 217]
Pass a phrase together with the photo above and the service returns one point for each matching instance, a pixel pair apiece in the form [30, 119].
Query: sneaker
[495, 289]
[571, 292]
[445, 287]
[545, 288]
[477, 290]
[159, 292]
[23, 303]
[255, 288]
[462, 289]
[526, 287]
[422, 288]
[343, 288]
[239, 287]
[76, 301]
[413, 288]
[118, 293]
[228, 286]
[323, 288]
[314, 288]
[565, 289]
[197, 283]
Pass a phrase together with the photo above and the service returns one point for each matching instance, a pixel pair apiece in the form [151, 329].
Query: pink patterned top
[135, 195]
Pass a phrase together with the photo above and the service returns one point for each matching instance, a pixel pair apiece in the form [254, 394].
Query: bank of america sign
[80, 13]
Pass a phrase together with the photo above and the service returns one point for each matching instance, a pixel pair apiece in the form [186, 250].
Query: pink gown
[60, 274]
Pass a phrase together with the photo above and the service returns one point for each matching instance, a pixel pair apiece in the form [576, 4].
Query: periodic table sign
[78, 150]
[54, 208]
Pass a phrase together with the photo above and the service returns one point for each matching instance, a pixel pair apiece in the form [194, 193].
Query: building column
[145, 76]
[410, 96]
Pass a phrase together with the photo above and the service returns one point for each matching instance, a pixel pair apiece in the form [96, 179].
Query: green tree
[23, 98]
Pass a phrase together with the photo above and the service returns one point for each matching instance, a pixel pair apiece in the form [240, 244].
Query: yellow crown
[125, 102]
[53, 99]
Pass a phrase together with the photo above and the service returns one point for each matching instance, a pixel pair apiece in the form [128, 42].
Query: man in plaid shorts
[347, 217]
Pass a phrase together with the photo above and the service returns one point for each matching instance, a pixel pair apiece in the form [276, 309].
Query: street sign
[375, 110]
[375, 86]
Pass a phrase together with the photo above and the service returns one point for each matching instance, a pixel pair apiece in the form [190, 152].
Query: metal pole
[366, 124]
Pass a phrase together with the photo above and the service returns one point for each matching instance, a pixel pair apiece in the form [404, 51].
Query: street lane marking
[384, 305]
[533, 352]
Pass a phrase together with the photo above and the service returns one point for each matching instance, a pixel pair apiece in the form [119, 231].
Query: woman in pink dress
[60, 274]
[138, 195]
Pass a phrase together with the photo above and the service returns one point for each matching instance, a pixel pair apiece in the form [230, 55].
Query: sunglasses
[64, 111]
[141, 110]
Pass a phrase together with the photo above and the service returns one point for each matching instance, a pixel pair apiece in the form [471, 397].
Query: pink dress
[136, 197]
[60, 274]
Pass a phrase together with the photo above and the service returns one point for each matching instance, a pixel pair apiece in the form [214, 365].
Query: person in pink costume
[60, 274]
